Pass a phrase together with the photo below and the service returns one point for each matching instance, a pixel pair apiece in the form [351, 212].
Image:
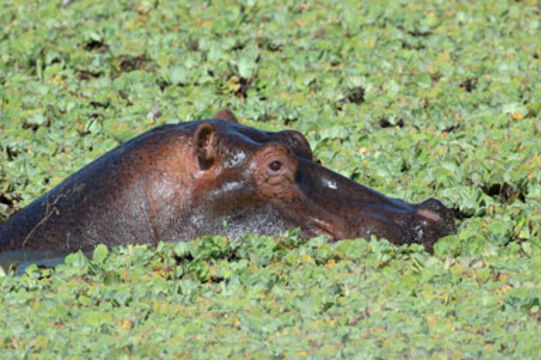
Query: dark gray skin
[178, 182]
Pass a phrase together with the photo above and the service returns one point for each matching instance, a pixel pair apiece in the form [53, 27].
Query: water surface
[25, 258]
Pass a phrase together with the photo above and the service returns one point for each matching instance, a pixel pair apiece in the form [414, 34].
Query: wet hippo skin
[180, 181]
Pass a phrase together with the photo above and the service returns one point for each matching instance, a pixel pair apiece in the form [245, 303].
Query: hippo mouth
[314, 221]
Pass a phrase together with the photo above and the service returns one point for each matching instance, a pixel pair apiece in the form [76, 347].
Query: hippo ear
[298, 143]
[226, 115]
[205, 142]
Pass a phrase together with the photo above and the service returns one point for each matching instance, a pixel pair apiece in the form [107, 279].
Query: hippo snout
[434, 210]
[434, 220]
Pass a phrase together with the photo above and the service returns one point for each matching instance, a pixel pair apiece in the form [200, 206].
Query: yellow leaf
[124, 324]
[233, 83]
[443, 57]
[330, 263]
[503, 289]
[363, 150]
[432, 320]
[517, 116]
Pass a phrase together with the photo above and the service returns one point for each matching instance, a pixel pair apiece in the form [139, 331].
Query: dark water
[25, 258]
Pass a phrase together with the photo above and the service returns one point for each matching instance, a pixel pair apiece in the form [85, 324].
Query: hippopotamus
[178, 182]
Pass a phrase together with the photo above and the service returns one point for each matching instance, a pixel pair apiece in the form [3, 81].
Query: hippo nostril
[275, 165]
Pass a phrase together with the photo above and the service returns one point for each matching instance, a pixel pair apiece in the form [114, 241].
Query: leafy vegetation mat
[415, 99]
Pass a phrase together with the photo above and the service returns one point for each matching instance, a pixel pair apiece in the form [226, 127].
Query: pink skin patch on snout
[429, 214]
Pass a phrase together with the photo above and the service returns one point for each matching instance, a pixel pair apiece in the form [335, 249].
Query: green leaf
[100, 253]
[95, 318]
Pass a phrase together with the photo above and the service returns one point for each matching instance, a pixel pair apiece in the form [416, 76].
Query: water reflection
[25, 258]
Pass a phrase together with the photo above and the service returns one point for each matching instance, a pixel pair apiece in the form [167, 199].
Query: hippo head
[267, 182]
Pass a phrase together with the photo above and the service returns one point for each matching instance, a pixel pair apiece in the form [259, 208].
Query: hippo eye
[275, 165]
